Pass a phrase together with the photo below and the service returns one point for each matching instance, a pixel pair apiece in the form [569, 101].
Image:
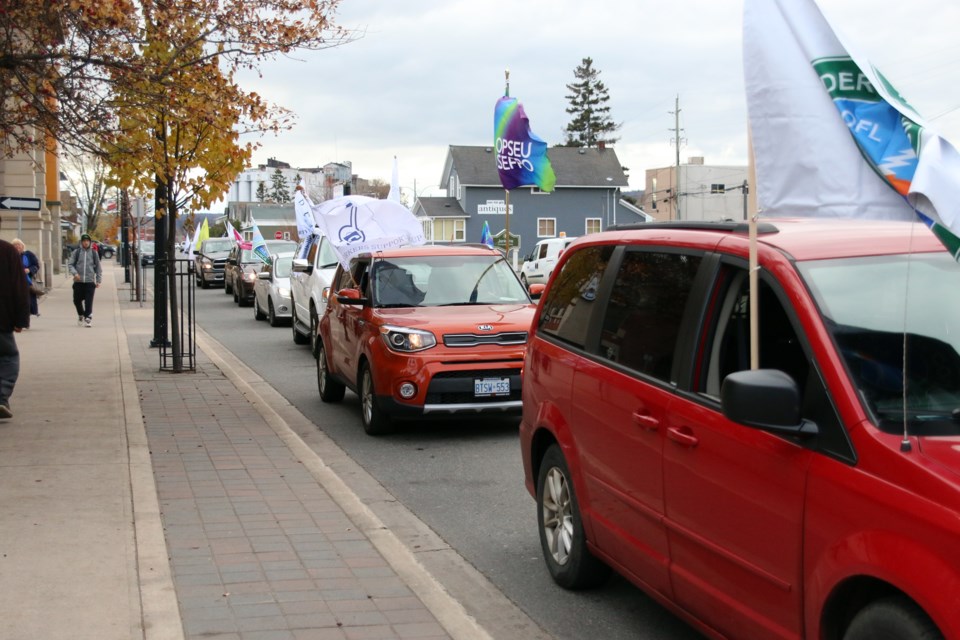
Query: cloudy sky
[425, 74]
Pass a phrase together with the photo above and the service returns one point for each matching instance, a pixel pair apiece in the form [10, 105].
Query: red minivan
[816, 496]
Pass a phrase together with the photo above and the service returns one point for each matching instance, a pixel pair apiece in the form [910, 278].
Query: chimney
[601, 145]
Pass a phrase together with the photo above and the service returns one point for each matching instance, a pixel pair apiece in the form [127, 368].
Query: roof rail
[730, 226]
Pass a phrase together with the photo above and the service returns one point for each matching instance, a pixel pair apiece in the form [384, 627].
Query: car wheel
[257, 311]
[272, 314]
[330, 389]
[375, 421]
[562, 537]
[227, 288]
[204, 284]
[236, 297]
[314, 338]
[298, 338]
[523, 281]
[892, 618]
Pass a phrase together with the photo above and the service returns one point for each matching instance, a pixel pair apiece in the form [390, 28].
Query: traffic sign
[20, 204]
[278, 235]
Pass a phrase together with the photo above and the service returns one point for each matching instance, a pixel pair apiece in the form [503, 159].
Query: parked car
[817, 496]
[210, 259]
[539, 264]
[432, 331]
[106, 250]
[242, 267]
[147, 252]
[271, 292]
[310, 287]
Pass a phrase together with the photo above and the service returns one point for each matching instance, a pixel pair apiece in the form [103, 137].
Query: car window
[217, 245]
[327, 258]
[445, 280]
[282, 267]
[569, 304]
[543, 251]
[642, 319]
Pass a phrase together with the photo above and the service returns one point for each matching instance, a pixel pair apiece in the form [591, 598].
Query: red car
[432, 331]
[817, 496]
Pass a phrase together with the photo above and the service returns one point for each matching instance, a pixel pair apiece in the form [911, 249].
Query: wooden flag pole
[506, 192]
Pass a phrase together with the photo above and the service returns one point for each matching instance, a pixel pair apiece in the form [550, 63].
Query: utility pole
[677, 140]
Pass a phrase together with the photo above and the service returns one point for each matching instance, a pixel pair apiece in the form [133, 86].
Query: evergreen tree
[261, 192]
[278, 189]
[591, 122]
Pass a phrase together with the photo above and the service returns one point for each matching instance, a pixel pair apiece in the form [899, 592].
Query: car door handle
[683, 436]
[646, 421]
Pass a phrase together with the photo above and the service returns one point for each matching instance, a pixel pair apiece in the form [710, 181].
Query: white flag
[358, 224]
[831, 137]
[302, 207]
[394, 194]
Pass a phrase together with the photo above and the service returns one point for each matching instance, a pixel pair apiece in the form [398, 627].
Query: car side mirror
[536, 290]
[264, 275]
[300, 265]
[350, 296]
[766, 399]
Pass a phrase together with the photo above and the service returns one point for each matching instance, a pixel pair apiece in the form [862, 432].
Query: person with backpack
[84, 266]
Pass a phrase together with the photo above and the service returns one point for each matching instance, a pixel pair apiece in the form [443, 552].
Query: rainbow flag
[485, 236]
[521, 156]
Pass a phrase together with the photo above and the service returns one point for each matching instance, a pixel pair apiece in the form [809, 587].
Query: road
[464, 480]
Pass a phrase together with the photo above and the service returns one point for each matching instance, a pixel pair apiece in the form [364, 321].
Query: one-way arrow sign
[22, 204]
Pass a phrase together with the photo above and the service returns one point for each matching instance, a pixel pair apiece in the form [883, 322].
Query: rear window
[569, 304]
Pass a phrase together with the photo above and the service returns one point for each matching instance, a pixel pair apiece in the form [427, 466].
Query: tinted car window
[642, 319]
[570, 301]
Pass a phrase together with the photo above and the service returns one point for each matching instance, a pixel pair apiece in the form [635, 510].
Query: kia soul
[423, 332]
[814, 495]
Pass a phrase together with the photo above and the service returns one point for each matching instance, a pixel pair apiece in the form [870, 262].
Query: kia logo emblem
[485, 327]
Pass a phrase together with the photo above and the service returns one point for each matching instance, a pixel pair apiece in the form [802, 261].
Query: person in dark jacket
[31, 268]
[14, 317]
[84, 266]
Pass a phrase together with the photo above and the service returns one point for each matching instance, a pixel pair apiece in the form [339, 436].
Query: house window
[718, 188]
[592, 225]
[449, 229]
[546, 227]
[427, 225]
[539, 191]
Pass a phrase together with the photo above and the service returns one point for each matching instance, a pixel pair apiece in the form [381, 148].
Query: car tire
[236, 297]
[108, 254]
[204, 284]
[298, 338]
[314, 338]
[893, 618]
[523, 281]
[227, 288]
[562, 537]
[258, 313]
[375, 421]
[272, 314]
[330, 390]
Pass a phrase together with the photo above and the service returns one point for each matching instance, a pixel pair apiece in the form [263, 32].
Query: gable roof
[440, 207]
[575, 167]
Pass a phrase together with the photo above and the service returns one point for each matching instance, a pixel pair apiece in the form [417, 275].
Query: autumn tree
[87, 178]
[61, 62]
[590, 121]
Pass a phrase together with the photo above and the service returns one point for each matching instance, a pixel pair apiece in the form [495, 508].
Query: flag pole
[753, 266]
[506, 213]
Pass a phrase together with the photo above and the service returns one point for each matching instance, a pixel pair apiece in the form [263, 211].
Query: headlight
[284, 293]
[249, 277]
[207, 266]
[406, 339]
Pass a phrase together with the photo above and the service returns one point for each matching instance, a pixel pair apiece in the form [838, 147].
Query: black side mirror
[765, 399]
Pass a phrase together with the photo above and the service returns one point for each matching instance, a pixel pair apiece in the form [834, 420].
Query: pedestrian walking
[84, 266]
[14, 318]
[31, 268]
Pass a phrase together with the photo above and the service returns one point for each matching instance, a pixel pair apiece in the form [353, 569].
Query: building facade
[586, 199]
[697, 191]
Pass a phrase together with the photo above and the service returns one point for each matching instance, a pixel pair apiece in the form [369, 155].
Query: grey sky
[426, 74]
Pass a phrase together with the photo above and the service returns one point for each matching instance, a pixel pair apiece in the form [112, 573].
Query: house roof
[440, 207]
[575, 167]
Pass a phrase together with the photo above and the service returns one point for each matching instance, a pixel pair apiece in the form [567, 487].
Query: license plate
[491, 387]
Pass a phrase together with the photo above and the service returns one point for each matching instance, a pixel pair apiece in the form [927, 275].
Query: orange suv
[427, 331]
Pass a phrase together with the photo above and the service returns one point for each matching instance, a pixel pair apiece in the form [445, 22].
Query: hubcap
[367, 396]
[322, 371]
[557, 516]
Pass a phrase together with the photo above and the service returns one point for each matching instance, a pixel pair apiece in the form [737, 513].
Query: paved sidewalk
[141, 504]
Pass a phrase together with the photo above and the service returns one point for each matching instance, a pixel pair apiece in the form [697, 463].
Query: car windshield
[280, 246]
[428, 281]
[147, 247]
[218, 245]
[879, 308]
[282, 267]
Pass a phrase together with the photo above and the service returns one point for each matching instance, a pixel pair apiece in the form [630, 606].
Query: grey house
[586, 199]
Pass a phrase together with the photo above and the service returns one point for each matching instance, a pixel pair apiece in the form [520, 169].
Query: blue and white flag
[358, 224]
[831, 136]
[259, 246]
[485, 236]
[302, 206]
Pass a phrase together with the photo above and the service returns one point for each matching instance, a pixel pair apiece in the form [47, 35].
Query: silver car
[271, 292]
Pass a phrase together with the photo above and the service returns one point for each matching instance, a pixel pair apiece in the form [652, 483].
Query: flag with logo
[302, 206]
[358, 224]
[831, 136]
[521, 155]
[485, 236]
[259, 246]
[233, 234]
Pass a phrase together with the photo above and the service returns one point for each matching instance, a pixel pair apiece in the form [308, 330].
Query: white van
[309, 287]
[538, 266]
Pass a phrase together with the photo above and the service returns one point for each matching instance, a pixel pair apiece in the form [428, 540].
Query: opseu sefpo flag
[831, 136]
[259, 246]
[521, 155]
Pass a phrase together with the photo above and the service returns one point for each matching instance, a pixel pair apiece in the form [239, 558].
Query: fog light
[408, 390]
